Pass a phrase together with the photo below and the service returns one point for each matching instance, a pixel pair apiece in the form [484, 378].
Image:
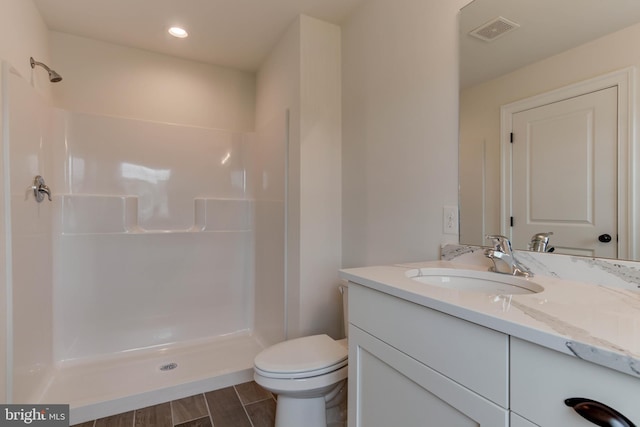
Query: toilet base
[336, 408]
[292, 412]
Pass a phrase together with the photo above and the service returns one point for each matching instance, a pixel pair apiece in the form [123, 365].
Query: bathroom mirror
[523, 50]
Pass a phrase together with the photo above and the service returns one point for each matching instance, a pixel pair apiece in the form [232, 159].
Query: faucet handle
[499, 242]
[540, 241]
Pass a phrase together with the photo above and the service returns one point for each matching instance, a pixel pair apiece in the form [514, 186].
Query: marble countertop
[600, 324]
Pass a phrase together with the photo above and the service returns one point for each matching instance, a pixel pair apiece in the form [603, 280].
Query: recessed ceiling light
[178, 32]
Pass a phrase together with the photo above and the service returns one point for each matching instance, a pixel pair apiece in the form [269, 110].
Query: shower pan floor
[125, 382]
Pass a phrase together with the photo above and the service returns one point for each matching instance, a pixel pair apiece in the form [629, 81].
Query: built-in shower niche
[86, 214]
[97, 214]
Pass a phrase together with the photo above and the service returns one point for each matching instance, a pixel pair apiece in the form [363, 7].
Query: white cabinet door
[389, 388]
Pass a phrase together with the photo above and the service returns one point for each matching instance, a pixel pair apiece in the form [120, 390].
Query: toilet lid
[300, 355]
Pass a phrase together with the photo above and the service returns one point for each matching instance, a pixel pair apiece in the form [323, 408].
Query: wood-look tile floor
[242, 405]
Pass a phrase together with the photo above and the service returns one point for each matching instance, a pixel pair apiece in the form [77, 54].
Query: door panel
[564, 174]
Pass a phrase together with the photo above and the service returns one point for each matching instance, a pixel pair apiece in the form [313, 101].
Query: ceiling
[547, 27]
[232, 33]
[240, 33]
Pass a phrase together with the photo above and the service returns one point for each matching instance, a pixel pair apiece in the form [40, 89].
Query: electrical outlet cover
[450, 220]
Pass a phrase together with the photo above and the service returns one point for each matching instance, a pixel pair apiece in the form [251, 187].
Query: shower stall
[157, 269]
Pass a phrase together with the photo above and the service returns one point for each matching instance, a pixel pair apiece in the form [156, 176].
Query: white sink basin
[475, 281]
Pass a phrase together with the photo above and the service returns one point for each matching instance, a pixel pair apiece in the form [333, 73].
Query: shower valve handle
[40, 189]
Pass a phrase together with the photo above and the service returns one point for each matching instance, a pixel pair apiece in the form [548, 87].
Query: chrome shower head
[53, 76]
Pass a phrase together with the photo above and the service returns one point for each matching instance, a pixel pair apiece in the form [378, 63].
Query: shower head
[53, 76]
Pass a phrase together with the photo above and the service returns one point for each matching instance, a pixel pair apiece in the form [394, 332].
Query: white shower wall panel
[266, 158]
[153, 235]
[121, 292]
[29, 148]
[165, 165]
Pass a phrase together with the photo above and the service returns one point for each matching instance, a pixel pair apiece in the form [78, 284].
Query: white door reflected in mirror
[564, 174]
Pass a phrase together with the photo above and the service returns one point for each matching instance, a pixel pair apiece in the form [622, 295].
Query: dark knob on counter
[604, 238]
[598, 413]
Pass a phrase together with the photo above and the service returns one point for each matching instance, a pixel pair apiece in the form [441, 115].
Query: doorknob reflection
[604, 238]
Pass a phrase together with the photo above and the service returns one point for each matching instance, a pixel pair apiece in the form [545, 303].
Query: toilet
[307, 374]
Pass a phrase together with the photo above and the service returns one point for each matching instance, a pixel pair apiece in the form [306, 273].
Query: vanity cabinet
[411, 366]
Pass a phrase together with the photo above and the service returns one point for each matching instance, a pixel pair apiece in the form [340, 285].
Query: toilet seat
[302, 358]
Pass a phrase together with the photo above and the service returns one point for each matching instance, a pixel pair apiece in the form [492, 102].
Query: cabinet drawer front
[389, 388]
[541, 379]
[471, 355]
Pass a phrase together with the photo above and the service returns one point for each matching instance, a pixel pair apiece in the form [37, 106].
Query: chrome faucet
[504, 261]
[540, 242]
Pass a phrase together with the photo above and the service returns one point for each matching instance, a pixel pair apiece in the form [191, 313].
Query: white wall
[105, 78]
[320, 178]
[302, 74]
[22, 34]
[278, 90]
[400, 101]
[480, 117]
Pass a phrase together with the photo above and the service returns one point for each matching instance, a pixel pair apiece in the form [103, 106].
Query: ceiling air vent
[494, 29]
